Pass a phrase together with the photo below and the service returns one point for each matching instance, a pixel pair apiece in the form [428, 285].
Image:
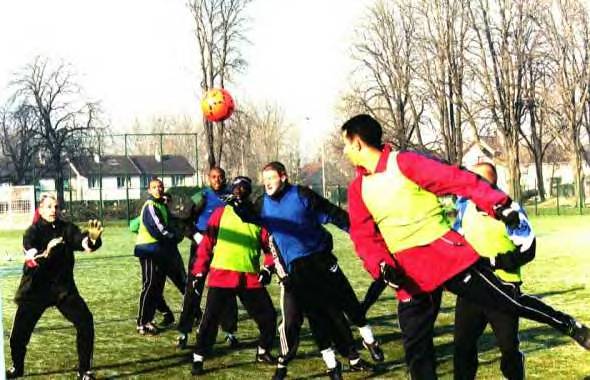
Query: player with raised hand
[48, 280]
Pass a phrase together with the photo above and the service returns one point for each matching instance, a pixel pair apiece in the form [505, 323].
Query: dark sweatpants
[479, 285]
[191, 304]
[323, 293]
[290, 328]
[73, 308]
[153, 279]
[257, 303]
[470, 323]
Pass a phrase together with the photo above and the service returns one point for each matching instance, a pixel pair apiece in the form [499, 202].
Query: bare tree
[219, 29]
[506, 36]
[443, 40]
[570, 42]
[387, 89]
[18, 132]
[66, 123]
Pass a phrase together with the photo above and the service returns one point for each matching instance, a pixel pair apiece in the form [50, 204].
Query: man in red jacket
[230, 254]
[401, 234]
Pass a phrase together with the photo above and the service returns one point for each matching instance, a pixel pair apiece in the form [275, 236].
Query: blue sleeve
[324, 211]
[152, 220]
[460, 206]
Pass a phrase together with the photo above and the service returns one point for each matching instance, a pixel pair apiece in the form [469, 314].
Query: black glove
[391, 276]
[508, 261]
[264, 276]
[508, 215]
[199, 284]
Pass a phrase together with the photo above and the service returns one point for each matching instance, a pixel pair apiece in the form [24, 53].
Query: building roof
[169, 165]
[111, 165]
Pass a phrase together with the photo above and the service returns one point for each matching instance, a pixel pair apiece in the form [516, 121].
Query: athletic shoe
[167, 321]
[148, 329]
[265, 358]
[197, 368]
[88, 375]
[336, 372]
[375, 351]
[181, 341]
[232, 341]
[581, 334]
[360, 366]
[280, 373]
[13, 373]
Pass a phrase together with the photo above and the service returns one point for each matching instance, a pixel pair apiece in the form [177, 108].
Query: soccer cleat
[581, 334]
[88, 375]
[197, 368]
[336, 372]
[13, 372]
[280, 373]
[265, 358]
[181, 341]
[232, 341]
[148, 329]
[360, 366]
[167, 321]
[375, 351]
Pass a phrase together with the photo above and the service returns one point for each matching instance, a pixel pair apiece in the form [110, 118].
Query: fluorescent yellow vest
[407, 215]
[238, 244]
[143, 235]
[488, 237]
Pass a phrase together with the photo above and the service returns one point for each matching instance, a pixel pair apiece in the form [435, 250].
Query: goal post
[17, 207]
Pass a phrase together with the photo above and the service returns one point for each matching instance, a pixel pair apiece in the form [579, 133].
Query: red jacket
[222, 278]
[430, 265]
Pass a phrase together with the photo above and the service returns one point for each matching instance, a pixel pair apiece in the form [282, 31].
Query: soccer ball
[217, 104]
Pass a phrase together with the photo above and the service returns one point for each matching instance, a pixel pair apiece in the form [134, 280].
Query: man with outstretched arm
[401, 234]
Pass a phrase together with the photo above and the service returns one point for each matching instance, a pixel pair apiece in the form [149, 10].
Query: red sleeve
[265, 244]
[368, 242]
[205, 248]
[444, 179]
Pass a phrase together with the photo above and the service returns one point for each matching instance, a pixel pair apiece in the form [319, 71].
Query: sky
[139, 57]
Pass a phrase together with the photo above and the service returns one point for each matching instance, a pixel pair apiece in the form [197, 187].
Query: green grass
[109, 280]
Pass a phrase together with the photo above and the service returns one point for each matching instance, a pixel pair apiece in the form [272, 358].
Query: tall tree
[387, 55]
[506, 36]
[67, 124]
[18, 131]
[570, 41]
[220, 30]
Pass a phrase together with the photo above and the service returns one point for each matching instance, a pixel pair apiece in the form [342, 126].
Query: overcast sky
[139, 58]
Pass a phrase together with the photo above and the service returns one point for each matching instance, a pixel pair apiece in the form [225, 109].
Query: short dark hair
[217, 168]
[490, 167]
[155, 179]
[276, 166]
[366, 128]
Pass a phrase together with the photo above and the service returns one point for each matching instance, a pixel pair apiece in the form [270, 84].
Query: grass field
[109, 280]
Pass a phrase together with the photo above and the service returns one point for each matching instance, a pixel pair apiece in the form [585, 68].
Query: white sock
[367, 334]
[261, 351]
[354, 361]
[329, 358]
[197, 358]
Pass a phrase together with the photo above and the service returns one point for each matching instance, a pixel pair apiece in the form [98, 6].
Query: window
[93, 182]
[121, 181]
[178, 180]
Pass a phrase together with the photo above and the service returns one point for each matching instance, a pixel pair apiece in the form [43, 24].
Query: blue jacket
[294, 217]
[211, 201]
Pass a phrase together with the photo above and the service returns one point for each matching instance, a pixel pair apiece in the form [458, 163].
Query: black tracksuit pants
[470, 323]
[290, 328]
[257, 303]
[73, 308]
[324, 295]
[191, 303]
[153, 279]
[479, 285]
